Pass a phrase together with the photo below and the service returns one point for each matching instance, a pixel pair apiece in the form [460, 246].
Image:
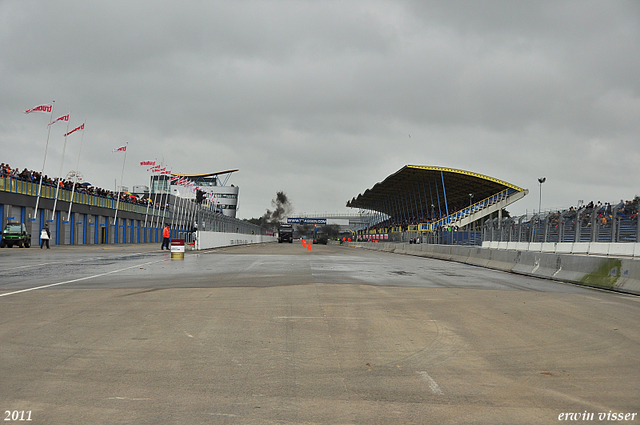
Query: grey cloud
[325, 94]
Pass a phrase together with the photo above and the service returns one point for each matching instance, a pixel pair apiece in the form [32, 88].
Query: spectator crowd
[584, 214]
[602, 213]
[34, 177]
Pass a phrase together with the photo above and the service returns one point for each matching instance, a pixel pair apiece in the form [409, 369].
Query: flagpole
[75, 177]
[192, 216]
[64, 148]
[181, 217]
[147, 201]
[163, 194]
[158, 201]
[155, 197]
[46, 146]
[147, 213]
[157, 220]
[174, 212]
[115, 217]
[166, 197]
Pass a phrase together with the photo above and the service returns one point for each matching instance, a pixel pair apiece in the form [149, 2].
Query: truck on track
[285, 233]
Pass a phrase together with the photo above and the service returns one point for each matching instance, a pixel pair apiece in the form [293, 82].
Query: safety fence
[604, 224]
[601, 224]
[211, 221]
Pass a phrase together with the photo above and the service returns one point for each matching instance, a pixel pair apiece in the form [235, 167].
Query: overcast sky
[323, 99]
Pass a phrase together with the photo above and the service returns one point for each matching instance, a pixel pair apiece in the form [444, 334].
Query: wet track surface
[274, 333]
[145, 265]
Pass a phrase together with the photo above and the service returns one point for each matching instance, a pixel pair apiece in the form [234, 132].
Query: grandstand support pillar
[446, 203]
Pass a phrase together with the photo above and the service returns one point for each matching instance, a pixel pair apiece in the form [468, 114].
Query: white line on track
[432, 384]
[80, 279]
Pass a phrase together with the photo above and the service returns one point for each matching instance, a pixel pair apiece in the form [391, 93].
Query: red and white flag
[62, 118]
[75, 129]
[45, 109]
[147, 163]
[120, 149]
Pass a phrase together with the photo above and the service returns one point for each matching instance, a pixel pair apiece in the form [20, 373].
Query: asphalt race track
[277, 334]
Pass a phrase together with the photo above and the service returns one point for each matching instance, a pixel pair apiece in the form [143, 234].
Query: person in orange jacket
[166, 235]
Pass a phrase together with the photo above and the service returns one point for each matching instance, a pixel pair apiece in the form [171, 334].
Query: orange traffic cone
[309, 246]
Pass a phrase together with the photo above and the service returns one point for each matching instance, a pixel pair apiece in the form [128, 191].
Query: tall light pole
[541, 180]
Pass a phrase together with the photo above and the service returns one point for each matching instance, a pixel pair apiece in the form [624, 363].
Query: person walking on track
[166, 235]
[45, 235]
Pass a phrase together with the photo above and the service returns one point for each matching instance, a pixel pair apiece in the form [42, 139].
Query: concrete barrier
[599, 248]
[629, 280]
[580, 248]
[621, 249]
[548, 247]
[535, 247]
[503, 260]
[564, 248]
[479, 256]
[600, 271]
[209, 240]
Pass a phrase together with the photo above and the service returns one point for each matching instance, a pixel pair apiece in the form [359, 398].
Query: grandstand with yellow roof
[424, 198]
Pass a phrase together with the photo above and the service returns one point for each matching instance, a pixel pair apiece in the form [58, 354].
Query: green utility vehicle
[15, 234]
